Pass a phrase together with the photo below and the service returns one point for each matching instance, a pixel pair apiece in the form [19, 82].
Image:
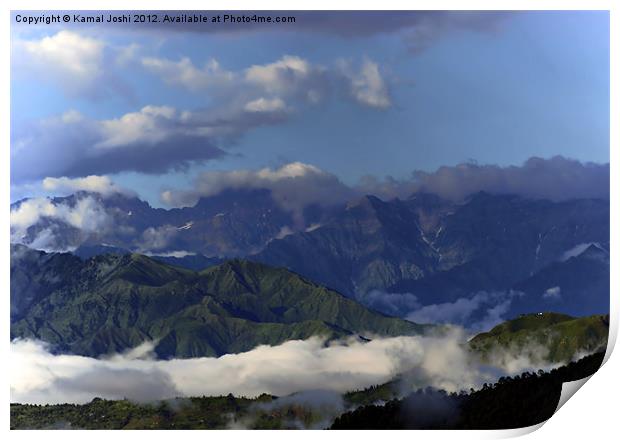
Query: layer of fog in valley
[39, 376]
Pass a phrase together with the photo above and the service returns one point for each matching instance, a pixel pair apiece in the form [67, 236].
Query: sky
[153, 107]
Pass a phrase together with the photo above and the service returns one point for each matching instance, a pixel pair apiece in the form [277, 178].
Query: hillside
[562, 335]
[111, 303]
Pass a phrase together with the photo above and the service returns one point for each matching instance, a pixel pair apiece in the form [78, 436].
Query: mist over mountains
[472, 261]
[274, 296]
[305, 219]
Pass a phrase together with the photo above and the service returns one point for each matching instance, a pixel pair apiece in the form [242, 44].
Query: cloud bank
[477, 312]
[298, 188]
[298, 184]
[38, 376]
[86, 216]
[95, 184]
[557, 178]
[293, 186]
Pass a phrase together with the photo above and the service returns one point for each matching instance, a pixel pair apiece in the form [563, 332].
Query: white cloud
[81, 65]
[98, 184]
[76, 55]
[289, 78]
[367, 86]
[288, 75]
[174, 254]
[283, 232]
[151, 125]
[313, 227]
[40, 377]
[127, 54]
[157, 238]
[87, 215]
[458, 311]
[71, 117]
[479, 312]
[186, 74]
[293, 186]
[265, 105]
[553, 293]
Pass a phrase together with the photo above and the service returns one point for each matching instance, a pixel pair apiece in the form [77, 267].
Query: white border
[591, 414]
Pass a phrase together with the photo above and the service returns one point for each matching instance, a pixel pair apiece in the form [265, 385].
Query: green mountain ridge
[112, 303]
[563, 336]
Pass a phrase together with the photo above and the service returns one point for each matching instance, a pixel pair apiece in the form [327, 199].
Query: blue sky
[350, 96]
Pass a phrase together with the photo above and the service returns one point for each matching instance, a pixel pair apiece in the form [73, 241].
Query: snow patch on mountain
[579, 249]
[186, 226]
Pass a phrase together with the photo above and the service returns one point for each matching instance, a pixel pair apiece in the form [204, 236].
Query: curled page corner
[569, 389]
[520, 432]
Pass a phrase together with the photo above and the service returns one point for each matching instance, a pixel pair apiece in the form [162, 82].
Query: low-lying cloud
[95, 184]
[86, 216]
[293, 186]
[38, 376]
[479, 311]
[297, 184]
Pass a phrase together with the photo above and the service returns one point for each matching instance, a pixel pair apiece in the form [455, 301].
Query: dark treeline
[512, 402]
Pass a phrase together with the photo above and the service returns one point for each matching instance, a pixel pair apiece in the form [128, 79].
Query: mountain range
[440, 250]
[399, 257]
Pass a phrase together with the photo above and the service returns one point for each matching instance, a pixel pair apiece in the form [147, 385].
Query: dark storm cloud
[152, 140]
[349, 24]
[419, 28]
